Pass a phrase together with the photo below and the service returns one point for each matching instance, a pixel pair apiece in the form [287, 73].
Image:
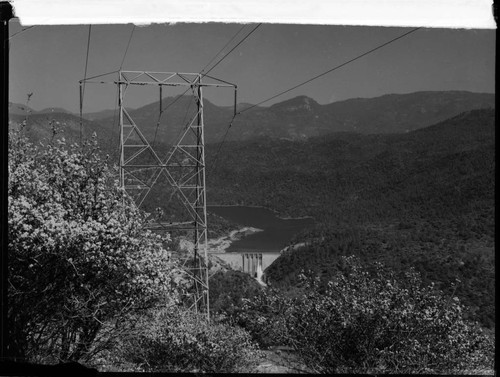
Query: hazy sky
[50, 60]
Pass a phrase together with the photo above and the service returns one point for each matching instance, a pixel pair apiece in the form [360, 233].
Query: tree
[80, 262]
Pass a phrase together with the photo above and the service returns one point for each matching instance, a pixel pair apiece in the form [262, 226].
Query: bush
[362, 322]
[228, 289]
[177, 340]
[79, 259]
[263, 316]
[375, 324]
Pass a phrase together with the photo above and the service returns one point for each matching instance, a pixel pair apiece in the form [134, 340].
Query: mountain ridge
[298, 118]
[423, 199]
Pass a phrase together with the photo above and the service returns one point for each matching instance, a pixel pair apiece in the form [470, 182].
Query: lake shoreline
[266, 208]
[276, 232]
[222, 243]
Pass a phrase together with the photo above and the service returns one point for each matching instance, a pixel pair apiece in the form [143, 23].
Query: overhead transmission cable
[331, 70]
[162, 110]
[222, 49]
[226, 55]
[206, 73]
[214, 164]
[117, 90]
[128, 45]
[22, 31]
[83, 87]
[203, 74]
[308, 81]
[215, 65]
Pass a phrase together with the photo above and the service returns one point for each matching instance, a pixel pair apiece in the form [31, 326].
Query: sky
[48, 61]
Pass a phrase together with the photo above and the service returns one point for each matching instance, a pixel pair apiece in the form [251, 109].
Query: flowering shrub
[78, 256]
[263, 316]
[177, 340]
[374, 324]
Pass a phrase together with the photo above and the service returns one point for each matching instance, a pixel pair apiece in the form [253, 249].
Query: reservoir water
[276, 232]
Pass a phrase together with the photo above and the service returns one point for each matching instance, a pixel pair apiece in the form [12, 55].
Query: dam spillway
[250, 262]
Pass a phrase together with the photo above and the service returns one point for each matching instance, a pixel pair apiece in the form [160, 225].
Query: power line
[206, 73]
[215, 65]
[128, 45]
[165, 109]
[83, 88]
[222, 49]
[214, 164]
[226, 55]
[332, 69]
[87, 58]
[117, 90]
[183, 123]
[176, 99]
[114, 116]
[308, 81]
[21, 31]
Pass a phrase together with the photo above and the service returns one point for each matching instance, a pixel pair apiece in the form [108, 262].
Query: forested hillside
[422, 199]
[302, 117]
[42, 126]
[298, 118]
[348, 176]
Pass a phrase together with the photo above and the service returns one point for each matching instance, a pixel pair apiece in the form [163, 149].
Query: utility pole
[6, 14]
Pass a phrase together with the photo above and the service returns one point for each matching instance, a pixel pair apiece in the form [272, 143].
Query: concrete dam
[252, 262]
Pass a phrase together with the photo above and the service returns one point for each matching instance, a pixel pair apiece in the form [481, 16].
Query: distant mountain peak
[296, 118]
[296, 104]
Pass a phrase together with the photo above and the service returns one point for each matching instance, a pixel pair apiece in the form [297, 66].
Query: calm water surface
[277, 232]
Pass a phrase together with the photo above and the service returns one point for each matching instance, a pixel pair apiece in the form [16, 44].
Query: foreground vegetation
[87, 284]
[369, 322]
[423, 199]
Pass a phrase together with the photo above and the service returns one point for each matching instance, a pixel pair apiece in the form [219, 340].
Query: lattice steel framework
[182, 169]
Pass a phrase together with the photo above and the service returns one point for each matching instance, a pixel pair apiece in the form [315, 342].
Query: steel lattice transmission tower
[176, 179]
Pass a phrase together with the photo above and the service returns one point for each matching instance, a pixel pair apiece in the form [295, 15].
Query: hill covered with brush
[422, 199]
